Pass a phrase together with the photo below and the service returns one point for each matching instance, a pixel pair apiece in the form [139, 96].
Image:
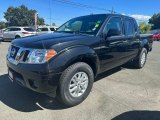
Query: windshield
[87, 24]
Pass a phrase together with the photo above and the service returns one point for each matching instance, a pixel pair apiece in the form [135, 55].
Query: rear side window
[114, 26]
[44, 29]
[29, 29]
[16, 29]
[129, 27]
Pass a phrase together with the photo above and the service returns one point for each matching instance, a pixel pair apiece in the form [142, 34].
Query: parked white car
[46, 29]
[1, 34]
[17, 32]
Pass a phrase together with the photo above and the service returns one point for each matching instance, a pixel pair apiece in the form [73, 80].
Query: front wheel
[141, 60]
[75, 84]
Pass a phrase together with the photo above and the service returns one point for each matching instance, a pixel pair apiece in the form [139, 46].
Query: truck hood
[47, 41]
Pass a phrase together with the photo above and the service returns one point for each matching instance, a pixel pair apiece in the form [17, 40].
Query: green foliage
[40, 21]
[144, 27]
[155, 21]
[2, 25]
[21, 16]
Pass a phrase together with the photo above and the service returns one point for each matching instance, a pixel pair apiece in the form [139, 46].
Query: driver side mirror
[113, 32]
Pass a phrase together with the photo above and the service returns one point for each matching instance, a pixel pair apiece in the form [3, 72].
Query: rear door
[132, 37]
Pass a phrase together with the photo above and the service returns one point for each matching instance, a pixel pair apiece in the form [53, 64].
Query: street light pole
[50, 12]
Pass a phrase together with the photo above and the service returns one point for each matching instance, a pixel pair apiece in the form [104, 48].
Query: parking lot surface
[124, 93]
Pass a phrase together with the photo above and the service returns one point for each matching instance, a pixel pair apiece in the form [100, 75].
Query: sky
[142, 10]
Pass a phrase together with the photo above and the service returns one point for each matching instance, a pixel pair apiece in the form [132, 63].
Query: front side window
[114, 27]
[87, 24]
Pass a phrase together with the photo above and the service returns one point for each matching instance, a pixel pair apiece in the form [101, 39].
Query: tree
[41, 21]
[2, 25]
[21, 16]
[155, 21]
[144, 27]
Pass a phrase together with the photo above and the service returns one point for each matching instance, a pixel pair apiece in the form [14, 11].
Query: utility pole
[50, 12]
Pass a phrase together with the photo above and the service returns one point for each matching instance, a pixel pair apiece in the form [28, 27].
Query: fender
[71, 55]
[144, 43]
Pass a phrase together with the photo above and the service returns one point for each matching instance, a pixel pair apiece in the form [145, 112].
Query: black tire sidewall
[17, 36]
[144, 50]
[65, 81]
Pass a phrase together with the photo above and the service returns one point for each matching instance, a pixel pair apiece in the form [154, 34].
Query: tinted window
[29, 29]
[114, 27]
[14, 29]
[129, 27]
[44, 29]
[52, 29]
[10, 29]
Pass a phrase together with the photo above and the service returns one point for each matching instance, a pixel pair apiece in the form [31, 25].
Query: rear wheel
[141, 60]
[75, 84]
[17, 36]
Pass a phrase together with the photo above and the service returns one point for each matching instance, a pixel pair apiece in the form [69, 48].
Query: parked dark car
[67, 62]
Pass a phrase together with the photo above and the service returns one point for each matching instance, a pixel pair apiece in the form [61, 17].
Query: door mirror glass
[113, 32]
[113, 27]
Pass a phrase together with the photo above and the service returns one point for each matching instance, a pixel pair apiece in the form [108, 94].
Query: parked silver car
[46, 29]
[17, 32]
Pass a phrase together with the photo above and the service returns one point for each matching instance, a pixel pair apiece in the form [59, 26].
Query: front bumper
[34, 77]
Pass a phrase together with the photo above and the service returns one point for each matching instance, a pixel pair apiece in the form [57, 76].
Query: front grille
[14, 51]
[25, 56]
[19, 54]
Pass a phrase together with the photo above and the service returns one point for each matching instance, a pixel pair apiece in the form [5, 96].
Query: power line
[83, 5]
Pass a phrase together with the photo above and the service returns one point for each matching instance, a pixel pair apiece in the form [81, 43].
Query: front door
[113, 47]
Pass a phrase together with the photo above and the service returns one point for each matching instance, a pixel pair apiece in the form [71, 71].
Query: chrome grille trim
[19, 56]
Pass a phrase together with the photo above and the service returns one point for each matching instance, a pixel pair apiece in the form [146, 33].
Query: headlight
[41, 56]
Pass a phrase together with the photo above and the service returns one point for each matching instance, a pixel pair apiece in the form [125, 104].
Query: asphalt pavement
[123, 93]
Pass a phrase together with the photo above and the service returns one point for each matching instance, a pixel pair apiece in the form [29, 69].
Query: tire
[17, 36]
[141, 60]
[65, 95]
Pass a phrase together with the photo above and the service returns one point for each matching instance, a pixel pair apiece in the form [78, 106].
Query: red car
[156, 37]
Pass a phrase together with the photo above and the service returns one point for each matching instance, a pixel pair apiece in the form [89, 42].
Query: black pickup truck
[66, 62]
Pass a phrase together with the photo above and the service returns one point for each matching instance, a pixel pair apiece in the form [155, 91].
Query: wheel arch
[73, 55]
[145, 44]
